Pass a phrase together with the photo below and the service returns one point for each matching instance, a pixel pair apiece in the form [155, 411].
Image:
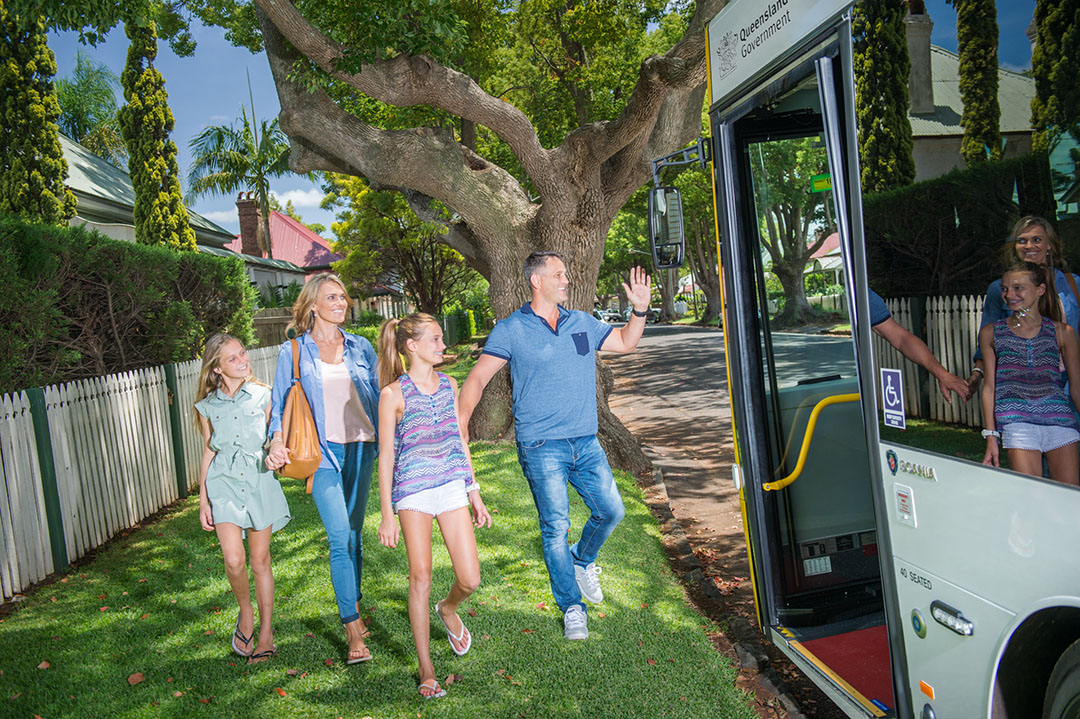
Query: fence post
[177, 436]
[53, 515]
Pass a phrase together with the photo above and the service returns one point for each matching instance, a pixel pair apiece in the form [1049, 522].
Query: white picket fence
[952, 326]
[113, 457]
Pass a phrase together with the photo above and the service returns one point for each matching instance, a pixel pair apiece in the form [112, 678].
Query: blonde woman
[339, 375]
[236, 493]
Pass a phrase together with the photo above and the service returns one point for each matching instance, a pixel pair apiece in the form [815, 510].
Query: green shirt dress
[241, 490]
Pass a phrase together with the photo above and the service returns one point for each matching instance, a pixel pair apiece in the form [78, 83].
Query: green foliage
[1055, 65]
[77, 304]
[881, 95]
[93, 19]
[145, 122]
[944, 236]
[88, 112]
[369, 318]
[368, 332]
[277, 296]
[380, 236]
[32, 167]
[977, 36]
[227, 159]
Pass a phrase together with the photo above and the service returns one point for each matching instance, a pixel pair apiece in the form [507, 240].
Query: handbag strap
[295, 360]
[1072, 283]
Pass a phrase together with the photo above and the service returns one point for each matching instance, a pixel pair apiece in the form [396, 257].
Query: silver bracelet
[979, 370]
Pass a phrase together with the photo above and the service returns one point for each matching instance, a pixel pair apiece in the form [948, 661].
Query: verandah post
[177, 435]
[54, 517]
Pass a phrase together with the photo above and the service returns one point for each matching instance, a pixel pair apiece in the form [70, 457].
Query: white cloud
[299, 198]
[221, 215]
[219, 119]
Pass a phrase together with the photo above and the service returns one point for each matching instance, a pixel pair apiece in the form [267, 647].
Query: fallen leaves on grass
[471, 612]
[280, 691]
[651, 662]
[136, 678]
[43, 665]
[542, 605]
[329, 662]
[451, 678]
[528, 631]
[292, 672]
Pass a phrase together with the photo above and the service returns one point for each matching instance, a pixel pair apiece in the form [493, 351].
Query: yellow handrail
[807, 436]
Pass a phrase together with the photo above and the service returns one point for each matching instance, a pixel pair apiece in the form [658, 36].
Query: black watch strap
[638, 314]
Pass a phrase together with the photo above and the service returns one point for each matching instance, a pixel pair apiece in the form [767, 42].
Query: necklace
[1020, 314]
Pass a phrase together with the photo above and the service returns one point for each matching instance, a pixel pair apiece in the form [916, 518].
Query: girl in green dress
[237, 493]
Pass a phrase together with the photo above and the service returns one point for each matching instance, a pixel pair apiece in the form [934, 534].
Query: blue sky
[210, 88]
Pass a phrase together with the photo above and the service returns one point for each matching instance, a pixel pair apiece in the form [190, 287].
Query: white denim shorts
[444, 498]
[1038, 437]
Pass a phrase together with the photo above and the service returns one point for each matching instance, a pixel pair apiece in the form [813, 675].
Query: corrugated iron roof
[1014, 96]
[108, 188]
[293, 242]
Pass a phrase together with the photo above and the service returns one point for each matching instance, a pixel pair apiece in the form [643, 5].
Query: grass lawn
[952, 440]
[155, 602]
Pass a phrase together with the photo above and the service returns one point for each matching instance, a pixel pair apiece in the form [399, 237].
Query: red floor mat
[861, 658]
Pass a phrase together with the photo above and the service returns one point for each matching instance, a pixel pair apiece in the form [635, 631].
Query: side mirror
[666, 228]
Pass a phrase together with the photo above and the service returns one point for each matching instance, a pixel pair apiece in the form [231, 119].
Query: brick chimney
[248, 212]
[918, 25]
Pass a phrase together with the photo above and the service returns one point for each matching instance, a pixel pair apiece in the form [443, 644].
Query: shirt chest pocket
[581, 342]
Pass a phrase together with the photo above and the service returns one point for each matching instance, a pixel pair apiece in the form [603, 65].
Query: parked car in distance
[605, 315]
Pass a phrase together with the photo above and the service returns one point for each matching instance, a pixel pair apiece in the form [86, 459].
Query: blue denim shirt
[994, 308]
[360, 360]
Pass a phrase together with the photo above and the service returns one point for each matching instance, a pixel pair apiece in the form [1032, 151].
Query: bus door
[800, 429]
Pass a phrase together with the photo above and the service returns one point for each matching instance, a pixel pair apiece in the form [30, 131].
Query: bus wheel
[1063, 691]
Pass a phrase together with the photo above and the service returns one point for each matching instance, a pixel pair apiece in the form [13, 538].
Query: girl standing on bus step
[1025, 402]
[425, 473]
[237, 494]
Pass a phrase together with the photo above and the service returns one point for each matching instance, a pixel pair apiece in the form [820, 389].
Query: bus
[904, 582]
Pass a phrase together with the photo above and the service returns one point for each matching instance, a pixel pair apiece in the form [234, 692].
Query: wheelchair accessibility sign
[892, 398]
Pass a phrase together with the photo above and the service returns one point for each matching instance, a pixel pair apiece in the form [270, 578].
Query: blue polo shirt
[879, 311]
[553, 371]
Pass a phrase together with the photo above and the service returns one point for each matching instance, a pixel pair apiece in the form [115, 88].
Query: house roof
[105, 194]
[1014, 96]
[252, 259]
[831, 245]
[293, 242]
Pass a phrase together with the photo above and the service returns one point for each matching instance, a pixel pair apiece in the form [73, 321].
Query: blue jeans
[341, 498]
[548, 465]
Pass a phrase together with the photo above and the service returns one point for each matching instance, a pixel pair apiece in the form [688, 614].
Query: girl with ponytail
[425, 473]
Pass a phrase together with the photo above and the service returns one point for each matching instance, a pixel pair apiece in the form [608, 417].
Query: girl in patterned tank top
[425, 473]
[1028, 400]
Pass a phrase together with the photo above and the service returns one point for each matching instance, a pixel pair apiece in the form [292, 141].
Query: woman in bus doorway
[1031, 353]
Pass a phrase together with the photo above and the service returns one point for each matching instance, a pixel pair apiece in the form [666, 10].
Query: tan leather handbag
[298, 428]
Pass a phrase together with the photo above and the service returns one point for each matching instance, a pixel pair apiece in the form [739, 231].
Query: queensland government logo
[725, 54]
[893, 460]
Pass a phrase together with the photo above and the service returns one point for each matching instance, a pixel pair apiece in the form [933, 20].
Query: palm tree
[88, 109]
[228, 159]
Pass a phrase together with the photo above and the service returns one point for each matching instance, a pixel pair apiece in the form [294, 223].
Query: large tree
[32, 167]
[793, 221]
[569, 101]
[381, 236]
[88, 112]
[228, 158]
[145, 122]
[1055, 65]
[881, 95]
[977, 40]
[695, 186]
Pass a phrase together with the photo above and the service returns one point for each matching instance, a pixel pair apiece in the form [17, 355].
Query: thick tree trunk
[796, 310]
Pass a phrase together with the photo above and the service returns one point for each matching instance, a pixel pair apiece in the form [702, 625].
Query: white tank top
[346, 420]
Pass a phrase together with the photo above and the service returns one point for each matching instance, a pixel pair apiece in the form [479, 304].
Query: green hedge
[76, 304]
[944, 236]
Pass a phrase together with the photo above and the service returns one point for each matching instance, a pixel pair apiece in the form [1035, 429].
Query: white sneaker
[575, 623]
[588, 582]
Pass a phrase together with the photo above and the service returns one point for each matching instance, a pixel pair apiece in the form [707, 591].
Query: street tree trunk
[582, 183]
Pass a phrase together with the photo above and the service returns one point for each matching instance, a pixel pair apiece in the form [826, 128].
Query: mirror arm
[698, 152]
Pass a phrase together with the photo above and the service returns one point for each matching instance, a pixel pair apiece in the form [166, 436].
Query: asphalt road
[672, 395]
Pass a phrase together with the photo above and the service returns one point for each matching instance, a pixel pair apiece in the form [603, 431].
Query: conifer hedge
[77, 304]
[944, 236]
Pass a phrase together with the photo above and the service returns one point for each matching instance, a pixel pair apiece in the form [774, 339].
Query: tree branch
[415, 80]
[428, 160]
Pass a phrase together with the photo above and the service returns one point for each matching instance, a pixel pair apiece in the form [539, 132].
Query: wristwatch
[638, 314]
[991, 433]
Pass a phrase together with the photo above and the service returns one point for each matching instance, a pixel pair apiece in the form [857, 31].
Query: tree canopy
[977, 38]
[32, 166]
[146, 122]
[1055, 65]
